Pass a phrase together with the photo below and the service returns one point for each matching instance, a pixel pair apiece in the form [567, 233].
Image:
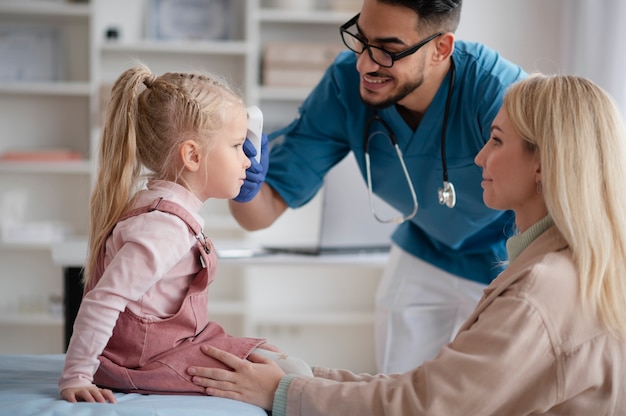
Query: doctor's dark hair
[148, 119]
[435, 15]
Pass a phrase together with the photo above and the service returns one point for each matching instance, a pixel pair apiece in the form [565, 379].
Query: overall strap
[173, 208]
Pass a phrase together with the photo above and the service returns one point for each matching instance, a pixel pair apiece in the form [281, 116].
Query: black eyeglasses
[380, 56]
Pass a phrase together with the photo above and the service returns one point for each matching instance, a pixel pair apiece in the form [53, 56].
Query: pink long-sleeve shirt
[148, 267]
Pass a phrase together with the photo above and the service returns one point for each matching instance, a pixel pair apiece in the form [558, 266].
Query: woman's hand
[269, 347]
[88, 394]
[254, 380]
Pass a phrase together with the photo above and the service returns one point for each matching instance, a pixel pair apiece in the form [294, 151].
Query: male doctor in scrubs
[404, 78]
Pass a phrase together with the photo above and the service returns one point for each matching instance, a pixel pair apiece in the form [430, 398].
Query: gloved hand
[255, 174]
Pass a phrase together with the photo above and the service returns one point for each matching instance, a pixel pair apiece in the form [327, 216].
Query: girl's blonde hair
[580, 135]
[148, 118]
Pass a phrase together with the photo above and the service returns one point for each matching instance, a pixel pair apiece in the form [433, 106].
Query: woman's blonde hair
[580, 135]
[148, 118]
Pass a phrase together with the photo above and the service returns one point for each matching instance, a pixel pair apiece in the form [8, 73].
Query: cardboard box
[299, 64]
[278, 77]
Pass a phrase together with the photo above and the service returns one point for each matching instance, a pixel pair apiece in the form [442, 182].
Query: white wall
[527, 32]
[582, 37]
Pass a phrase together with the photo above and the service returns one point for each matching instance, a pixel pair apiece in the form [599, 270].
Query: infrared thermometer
[255, 129]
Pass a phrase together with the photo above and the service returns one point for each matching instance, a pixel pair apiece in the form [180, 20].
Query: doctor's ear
[444, 46]
[189, 152]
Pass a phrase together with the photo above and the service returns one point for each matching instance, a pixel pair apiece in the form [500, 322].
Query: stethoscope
[446, 194]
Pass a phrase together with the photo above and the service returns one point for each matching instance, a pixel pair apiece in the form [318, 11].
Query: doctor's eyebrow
[389, 40]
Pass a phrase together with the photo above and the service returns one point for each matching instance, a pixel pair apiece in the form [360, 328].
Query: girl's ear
[190, 155]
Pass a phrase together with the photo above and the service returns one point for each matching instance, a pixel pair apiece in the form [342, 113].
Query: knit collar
[518, 243]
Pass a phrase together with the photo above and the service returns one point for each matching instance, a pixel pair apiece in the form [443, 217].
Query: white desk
[71, 256]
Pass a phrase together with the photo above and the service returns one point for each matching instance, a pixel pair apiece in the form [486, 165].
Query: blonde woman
[549, 334]
[144, 313]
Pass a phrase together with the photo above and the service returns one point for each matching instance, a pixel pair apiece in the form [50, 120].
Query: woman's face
[511, 173]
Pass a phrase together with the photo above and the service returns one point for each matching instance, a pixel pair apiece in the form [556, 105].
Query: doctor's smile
[374, 79]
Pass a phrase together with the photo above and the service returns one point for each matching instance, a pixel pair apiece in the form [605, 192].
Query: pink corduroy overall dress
[145, 356]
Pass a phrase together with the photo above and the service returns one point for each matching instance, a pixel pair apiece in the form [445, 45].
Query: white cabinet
[319, 308]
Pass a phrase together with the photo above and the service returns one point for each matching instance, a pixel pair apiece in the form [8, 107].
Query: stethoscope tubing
[368, 170]
[446, 195]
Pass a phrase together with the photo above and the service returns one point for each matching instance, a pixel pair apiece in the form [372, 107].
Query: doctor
[415, 106]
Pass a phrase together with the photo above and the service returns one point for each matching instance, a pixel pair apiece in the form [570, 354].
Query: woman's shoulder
[551, 287]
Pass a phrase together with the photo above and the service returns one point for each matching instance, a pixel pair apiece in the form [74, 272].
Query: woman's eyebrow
[495, 127]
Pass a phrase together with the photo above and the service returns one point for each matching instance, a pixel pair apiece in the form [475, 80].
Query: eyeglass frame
[393, 56]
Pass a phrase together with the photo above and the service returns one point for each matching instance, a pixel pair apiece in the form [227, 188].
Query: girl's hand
[88, 394]
[254, 380]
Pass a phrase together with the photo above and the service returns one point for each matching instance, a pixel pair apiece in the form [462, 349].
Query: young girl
[144, 316]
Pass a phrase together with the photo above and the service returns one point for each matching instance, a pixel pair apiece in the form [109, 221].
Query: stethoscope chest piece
[447, 195]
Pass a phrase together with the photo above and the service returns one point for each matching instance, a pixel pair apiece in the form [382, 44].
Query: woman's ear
[444, 46]
[538, 169]
[190, 155]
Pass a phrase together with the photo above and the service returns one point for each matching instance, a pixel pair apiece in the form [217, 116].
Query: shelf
[78, 89]
[38, 319]
[34, 8]
[25, 246]
[261, 258]
[60, 167]
[304, 16]
[284, 93]
[73, 252]
[311, 318]
[178, 47]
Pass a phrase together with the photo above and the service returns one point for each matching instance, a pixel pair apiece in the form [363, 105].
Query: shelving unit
[52, 112]
[318, 308]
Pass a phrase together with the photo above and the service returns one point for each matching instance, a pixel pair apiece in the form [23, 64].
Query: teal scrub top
[467, 240]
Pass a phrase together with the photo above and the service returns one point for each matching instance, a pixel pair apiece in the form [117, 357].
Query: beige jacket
[527, 349]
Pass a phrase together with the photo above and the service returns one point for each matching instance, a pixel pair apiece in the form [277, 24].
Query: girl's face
[225, 161]
[511, 173]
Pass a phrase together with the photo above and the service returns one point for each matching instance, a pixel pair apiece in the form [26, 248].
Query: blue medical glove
[255, 174]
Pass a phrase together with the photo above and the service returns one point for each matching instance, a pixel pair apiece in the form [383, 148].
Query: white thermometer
[255, 129]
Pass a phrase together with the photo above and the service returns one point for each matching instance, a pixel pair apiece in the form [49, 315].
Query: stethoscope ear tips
[447, 195]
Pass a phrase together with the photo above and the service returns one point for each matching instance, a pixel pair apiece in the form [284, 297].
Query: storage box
[190, 19]
[300, 64]
[29, 53]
